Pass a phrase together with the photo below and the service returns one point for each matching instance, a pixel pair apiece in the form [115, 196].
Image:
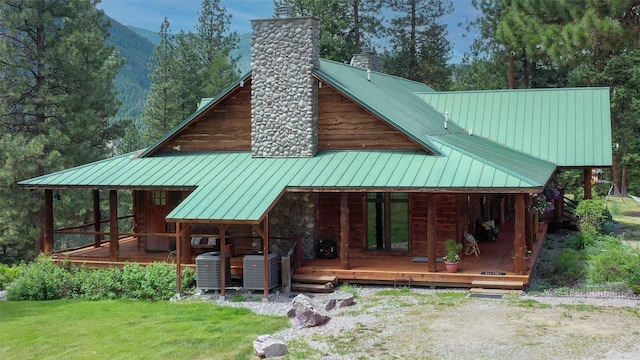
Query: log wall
[345, 125]
[226, 127]
[451, 221]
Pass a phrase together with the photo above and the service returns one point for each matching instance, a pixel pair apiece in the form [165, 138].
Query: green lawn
[124, 329]
[627, 213]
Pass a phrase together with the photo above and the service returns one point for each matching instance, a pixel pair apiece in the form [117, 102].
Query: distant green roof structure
[569, 127]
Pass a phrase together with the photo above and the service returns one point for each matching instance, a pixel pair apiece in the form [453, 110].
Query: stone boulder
[338, 300]
[305, 313]
[266, 346]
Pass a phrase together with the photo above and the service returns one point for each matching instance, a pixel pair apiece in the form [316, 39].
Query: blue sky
[183, 15]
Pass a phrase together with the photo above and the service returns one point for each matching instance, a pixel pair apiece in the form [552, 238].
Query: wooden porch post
[431, 232]
[185, 241]
[587, 183]
[519, 241]
[178, 256]
[114, 246]
[265, 249]
[344, 231]
[223, 258]
[48, 222]
[529, 226]
[96, 218]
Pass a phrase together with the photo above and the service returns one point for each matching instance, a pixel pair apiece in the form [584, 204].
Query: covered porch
[494, 264]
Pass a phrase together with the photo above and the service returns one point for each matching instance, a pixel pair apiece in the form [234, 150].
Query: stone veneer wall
[295, 213]
[367, 61]
[284, 111]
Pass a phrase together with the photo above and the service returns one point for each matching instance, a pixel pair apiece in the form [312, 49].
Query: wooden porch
[494, 263]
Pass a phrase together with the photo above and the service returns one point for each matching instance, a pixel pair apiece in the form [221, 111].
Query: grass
[627, 213]
[123, 329]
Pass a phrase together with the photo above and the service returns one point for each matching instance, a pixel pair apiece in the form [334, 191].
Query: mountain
[132, 82]
[147, 34]
[136, 46]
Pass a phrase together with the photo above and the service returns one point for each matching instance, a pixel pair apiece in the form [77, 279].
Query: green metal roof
[233, 186]
[569, 127]
[389, 97]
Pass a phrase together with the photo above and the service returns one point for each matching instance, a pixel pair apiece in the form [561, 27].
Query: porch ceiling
[233, 186]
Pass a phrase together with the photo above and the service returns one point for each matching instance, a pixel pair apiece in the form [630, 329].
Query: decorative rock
[305, 313]
[338, 299]
[266, 346]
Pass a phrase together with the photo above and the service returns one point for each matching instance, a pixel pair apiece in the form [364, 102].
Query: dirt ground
[425, 325]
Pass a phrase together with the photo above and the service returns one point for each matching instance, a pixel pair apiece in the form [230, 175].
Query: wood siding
[225, 127]
[329, 219]
[345, 125]
[451, 221]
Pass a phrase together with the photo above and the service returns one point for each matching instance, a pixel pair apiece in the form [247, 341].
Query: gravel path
[430, 324]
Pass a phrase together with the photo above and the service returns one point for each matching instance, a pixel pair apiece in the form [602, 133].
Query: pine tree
[56, 100]
[187, 67]
[419, 48]
[345, 26]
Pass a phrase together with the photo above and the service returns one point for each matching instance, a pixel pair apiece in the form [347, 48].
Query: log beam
[265, 250]
[344, 231]
[114, 246]
[431, 232]
[587, 183]
[96, 218]
[48, 222]
[520, 246]
[223, 258]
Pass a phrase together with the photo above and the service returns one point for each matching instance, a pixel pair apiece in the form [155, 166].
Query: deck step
[314, 288]
[498, 284]
[494, 291]
[314, 279]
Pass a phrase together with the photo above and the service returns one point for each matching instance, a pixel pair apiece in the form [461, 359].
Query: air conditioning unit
[253, 271]
[208, 271]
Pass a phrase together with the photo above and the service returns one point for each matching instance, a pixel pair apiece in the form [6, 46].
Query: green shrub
[156, 281]
[569, 268]
[96, 284]
[44, 280]
[8, 274]
[591, 216]
[41, 280]
[616, 263]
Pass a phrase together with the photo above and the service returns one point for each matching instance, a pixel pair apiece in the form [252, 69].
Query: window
[388, 221]
[158, 198]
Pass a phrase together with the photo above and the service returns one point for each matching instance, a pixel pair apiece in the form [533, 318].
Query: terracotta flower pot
[451, 266]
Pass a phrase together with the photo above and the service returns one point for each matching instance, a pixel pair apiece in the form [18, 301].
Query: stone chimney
[284, 106]
[367, 59]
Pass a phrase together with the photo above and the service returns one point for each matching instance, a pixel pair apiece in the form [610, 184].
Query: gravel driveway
[439, 324]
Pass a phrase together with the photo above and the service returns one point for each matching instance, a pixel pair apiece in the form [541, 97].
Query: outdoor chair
[470, 245]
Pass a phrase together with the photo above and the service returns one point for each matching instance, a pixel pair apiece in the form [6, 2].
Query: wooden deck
[494, 264]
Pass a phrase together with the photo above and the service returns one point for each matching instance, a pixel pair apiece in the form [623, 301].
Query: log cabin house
[302, 150]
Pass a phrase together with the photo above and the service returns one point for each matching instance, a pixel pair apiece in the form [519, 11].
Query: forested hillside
[132, 82]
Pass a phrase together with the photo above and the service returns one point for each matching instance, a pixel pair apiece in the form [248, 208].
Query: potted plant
[452, 258]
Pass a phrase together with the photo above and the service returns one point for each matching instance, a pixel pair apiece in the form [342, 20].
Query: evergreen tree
[583, 34]
[187, 67]
[486, 65]
[346, 26]
[419, 48]
[56, 100]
